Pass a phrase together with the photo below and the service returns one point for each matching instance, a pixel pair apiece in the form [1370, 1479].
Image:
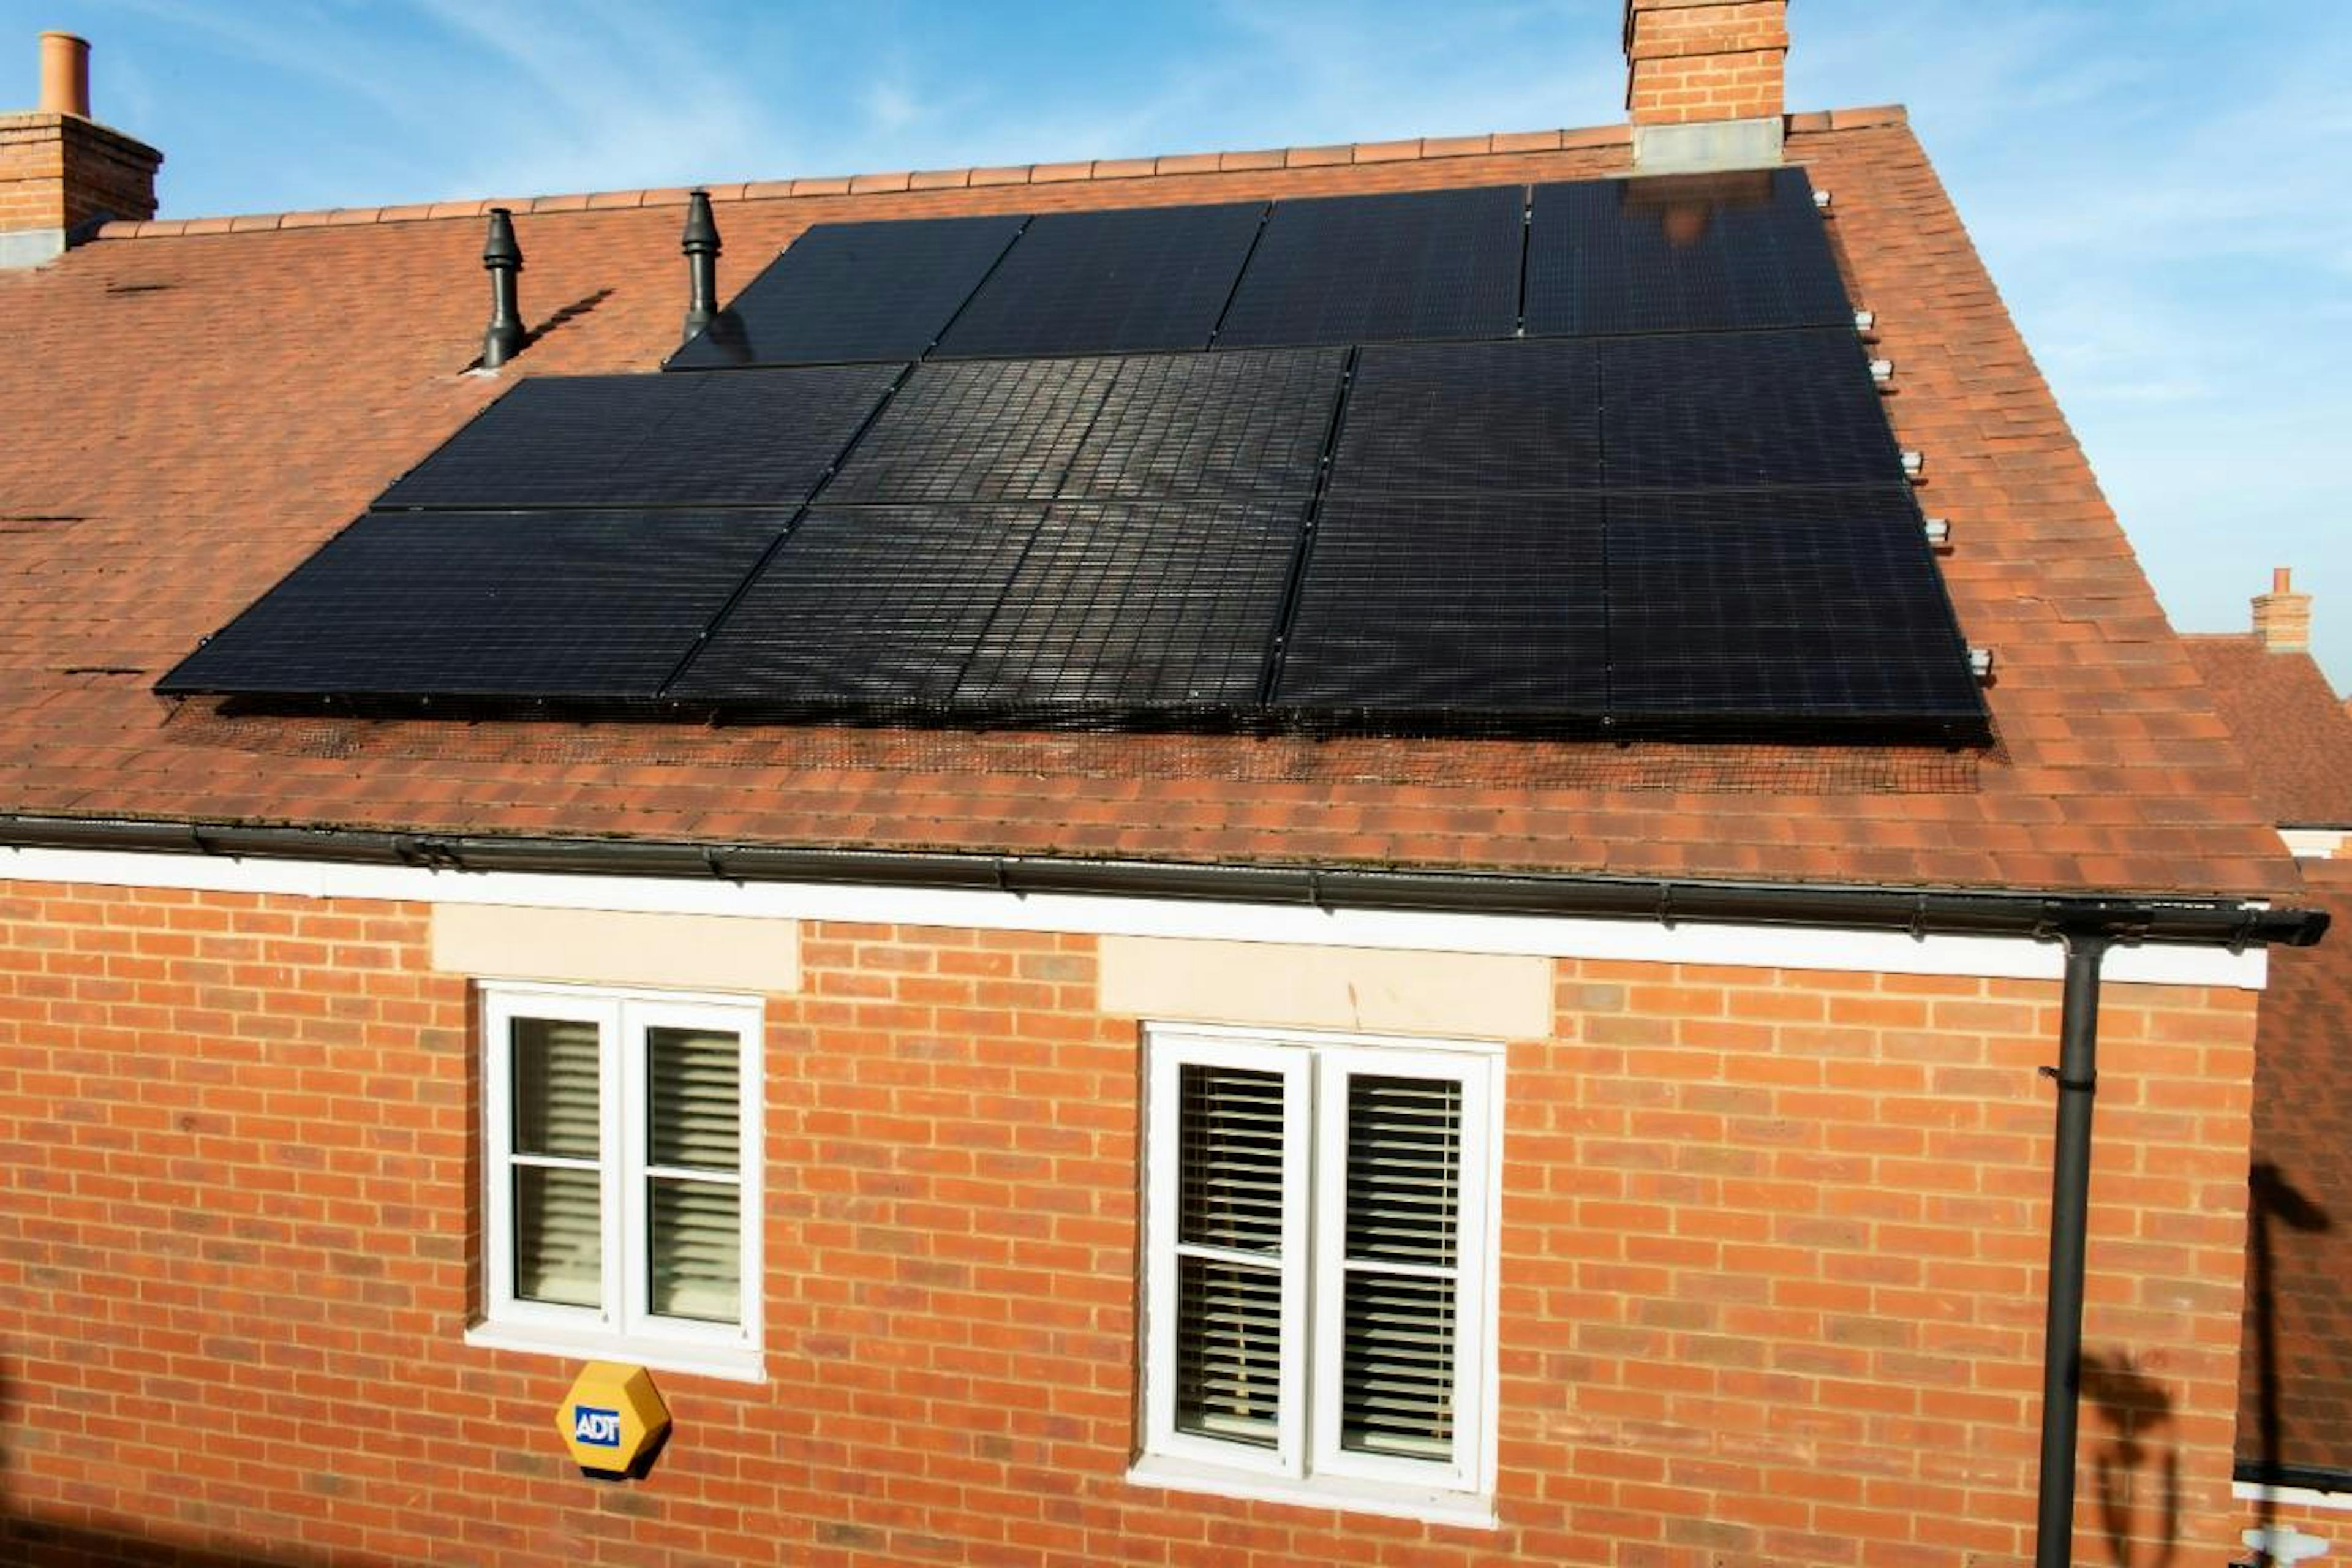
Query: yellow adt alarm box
[613, 1419]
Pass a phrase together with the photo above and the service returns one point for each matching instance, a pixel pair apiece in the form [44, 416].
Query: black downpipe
[700, 243]
[2070, 1211]
[503, 258]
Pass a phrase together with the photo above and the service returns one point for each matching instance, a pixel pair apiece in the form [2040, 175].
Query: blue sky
[2162, 188]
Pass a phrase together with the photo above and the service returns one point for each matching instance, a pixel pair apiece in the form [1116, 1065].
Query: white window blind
[1318, 1262]
[624, 1169]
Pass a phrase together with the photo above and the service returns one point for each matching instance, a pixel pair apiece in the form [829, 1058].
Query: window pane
[555, 1094]
[1230, 1178]
[1404, 1163]
[697, 1250]
[1397, 1390]
[559, 1236]
[1228, 1350]
[693, 1076]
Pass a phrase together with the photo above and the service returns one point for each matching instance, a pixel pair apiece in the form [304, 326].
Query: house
[964, 1126]
[2294, 1421]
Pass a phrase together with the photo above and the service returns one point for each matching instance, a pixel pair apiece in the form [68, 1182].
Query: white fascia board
[2314, 843]
[2290, 1497]
[1546, 936]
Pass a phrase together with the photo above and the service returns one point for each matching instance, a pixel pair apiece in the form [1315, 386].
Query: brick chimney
[61, 173]
[2281, 616]
[1704, 84]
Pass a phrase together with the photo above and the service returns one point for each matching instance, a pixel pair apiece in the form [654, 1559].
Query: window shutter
[1229, 1293]
[693, 1138]
[558, 1138]
[1403, 1212]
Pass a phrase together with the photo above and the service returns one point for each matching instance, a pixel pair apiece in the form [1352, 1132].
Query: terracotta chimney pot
[65, 75]
[2283, 616]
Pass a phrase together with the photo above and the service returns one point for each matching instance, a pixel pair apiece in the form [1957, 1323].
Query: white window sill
[2290, 1497]
[734, 1364]
[1467, 1510]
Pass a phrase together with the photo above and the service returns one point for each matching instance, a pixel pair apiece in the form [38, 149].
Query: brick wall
[1701, 59]
[58, 172]
[1770, 1282]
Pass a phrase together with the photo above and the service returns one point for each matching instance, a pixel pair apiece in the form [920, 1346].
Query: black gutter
[2215, 922]
[2070, 1215]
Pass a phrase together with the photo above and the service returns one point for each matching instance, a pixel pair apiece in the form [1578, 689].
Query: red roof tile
[203, 444]
[2295, 731]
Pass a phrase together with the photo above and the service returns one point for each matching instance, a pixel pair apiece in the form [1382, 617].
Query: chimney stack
[61, 173]
[2281, 616]
[1703, 83]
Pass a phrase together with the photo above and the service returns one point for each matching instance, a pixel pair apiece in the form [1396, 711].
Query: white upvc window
[621, 1165]
[1319, 1270]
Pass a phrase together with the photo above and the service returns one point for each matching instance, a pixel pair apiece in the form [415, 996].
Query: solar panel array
[1619, 468]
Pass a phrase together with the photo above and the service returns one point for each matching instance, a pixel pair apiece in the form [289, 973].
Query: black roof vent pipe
[700, 243]
[503, 257]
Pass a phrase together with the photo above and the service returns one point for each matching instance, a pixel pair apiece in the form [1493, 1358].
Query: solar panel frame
[1385, 268]
[570, 605]
[1797, 607]
[1120, 280]
[1228, 426]
[1436, 417]
[1475, 610]
[855, 292]
[760, 438]
[1680, 253]
[1793, 408]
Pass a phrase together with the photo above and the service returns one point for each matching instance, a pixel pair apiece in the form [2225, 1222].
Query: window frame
[1307, 1464]
[622, 1326]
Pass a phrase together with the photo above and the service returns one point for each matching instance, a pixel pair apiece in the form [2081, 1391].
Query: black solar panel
[1742, 409]
[1140, 607]
[593, 605]
[1350, 269]
[1109, 282]
[854, 292]
[1680, 253]
[1456, 416]
[1452, 609]
[1791, 607]
[762, 438]
[1219, 425]
[866, 608]
[997, 430]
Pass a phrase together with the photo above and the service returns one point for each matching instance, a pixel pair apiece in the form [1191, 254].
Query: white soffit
[1547, 936]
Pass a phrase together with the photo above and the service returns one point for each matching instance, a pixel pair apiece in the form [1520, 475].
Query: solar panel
[762, 438]
[865, 609]
[1349, 270]
[1740, 409]
[1795, 607]
[1451, 610]
[1680, 253]
[1220, 425]
[1140, 607]
[854, 292]
[593, 605]
[1109, 282]
[1449, 416]
[999, 430]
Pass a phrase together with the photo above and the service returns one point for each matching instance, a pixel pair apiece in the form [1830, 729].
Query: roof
[2303, 1203]
[218, 397]
[2296, 734]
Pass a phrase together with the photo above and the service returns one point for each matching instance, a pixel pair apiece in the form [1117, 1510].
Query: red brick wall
[1701, 59]
[1770, 1282]
[57, 172]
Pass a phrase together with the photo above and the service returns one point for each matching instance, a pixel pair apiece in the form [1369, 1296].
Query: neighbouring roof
[2302, 1209]
[2294, 729]
[202, 404]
